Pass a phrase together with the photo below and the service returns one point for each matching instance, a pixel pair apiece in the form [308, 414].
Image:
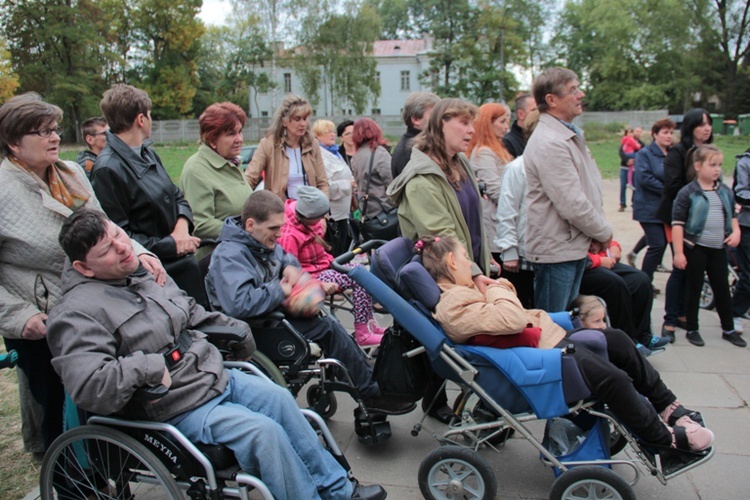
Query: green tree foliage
[56, 48]
[8, 79]
[395, 18]
[335, 58]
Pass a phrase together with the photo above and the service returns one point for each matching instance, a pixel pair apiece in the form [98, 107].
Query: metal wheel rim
[590, 489]
[707, 296]
[453, 478]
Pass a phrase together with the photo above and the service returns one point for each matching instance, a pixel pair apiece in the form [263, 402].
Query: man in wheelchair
[115, 331]
[251, 275]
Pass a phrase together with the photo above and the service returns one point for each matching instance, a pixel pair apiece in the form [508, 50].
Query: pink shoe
[676, 414]
[375, 328]
[365, 337]
[690, 436]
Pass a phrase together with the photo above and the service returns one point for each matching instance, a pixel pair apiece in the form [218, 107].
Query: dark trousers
[337, 343]
[656, 240]
[629, 297]
[622, 381]
[524, 282]
[187, 275]
[35, 359]
[713, 263]
[741, 298]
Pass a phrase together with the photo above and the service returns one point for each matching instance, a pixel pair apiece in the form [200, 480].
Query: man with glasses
[94, 132]
[565, 216]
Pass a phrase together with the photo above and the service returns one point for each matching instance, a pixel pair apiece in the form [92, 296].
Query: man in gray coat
[565, 216]
[115, 330]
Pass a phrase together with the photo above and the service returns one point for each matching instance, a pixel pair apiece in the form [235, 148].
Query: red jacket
[596, 258]
[299, 240]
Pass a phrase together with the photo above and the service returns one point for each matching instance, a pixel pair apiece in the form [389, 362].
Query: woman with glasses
[288, 156]
[38, 192]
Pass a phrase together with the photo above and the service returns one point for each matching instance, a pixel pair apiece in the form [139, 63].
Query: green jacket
[215, 189]
[427, 204]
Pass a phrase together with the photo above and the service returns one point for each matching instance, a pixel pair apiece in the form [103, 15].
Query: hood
[290, 219]
[419, 164]
[232, 230]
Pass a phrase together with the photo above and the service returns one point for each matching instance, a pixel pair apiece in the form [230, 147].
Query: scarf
[332, 149]
[62, 183]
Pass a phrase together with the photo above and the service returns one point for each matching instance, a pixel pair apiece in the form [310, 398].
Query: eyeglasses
[46, 132]
[573, 91]
[97, 133]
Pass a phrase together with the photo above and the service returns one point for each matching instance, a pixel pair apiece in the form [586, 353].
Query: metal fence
[255, 128]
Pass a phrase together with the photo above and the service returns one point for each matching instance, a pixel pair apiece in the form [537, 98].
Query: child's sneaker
[375, 327]
[690, 436]
[365, 337]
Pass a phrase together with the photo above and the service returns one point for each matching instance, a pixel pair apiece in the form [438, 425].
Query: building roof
[398, 47]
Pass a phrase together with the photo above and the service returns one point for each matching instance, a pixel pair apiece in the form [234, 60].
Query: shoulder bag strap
[367, 186]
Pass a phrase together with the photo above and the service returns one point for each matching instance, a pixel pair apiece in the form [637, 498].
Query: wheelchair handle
[9, 359]
[343, 259]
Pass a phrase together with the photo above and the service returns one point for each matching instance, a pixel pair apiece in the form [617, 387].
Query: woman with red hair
[488, 157]
[212, 178]
[371, 165]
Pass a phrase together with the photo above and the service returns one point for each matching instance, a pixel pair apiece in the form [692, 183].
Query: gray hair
[550, 81]
[416, 104]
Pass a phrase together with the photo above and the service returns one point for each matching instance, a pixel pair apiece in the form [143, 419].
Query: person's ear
[451, 260]
[249, 224]
[550, 99]
[82, 268]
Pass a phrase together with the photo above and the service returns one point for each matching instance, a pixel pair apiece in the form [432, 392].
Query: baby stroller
[502, 389]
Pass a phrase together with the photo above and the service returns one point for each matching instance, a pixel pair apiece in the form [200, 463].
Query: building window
[264, 113]
[375, 111]
[405, 80]
[377, 76]
[288, 83]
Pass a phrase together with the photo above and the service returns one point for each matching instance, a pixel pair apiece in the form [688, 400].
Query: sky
[214, 11]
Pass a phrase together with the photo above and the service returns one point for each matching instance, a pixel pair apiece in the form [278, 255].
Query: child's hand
[680, 261]
[330, 288]
[608, 262]
[733, 239]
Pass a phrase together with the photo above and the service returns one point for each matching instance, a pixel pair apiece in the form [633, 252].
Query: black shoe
[694, 337]
[379, 404]
[370, 492]
[681, 323]
[667, 334]
[444, 414]
[734, 338]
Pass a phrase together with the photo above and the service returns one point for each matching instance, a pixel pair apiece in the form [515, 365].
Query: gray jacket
[564, 196]
[741, 187]
[379, 181]
[108, 339]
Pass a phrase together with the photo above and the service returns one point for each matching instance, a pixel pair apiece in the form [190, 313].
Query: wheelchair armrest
[224, 333]
[150, 393]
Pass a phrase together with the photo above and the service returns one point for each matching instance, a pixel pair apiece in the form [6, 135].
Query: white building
[399, 64]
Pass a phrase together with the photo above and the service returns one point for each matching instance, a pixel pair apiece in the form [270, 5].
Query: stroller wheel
[591, 483]
[707, 300]
[321, 401]
[453, 472]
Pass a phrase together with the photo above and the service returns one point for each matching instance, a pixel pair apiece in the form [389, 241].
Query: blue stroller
[501, 390]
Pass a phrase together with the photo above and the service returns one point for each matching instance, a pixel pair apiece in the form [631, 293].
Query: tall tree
[8, 79]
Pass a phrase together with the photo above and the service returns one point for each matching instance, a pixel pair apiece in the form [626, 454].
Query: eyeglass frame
[45, 133]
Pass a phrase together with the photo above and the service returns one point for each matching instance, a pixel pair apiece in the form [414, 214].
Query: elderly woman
[288, 154]
[372, 168]
[437, 193]
[488, 157]
[212, 180]
[341, 183]
[345, 131]
[37, 193]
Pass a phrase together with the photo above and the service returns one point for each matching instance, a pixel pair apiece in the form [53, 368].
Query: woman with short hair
[372, 167]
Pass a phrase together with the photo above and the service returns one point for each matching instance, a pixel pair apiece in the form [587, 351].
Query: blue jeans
[261, 423]
[741, 299]
[556, 285]
[656, 239]
[623, 185]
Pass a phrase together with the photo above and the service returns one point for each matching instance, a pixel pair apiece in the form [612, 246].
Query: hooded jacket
[108, 339]
[299, 240]
[244, 278]
[427, 204]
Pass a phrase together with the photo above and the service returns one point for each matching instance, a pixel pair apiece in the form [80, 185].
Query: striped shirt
[713, 232]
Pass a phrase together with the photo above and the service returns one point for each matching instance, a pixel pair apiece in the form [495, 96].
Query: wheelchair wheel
[97, 462]
[595, 483]
[453, 472]
[707, 300]
[321, 401]
[268, 368]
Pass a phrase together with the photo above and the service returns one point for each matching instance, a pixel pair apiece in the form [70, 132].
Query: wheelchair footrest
[371, 429]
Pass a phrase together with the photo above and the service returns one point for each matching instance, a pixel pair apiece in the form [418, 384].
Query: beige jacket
[464, 312]
[563, 195]
[274, 162]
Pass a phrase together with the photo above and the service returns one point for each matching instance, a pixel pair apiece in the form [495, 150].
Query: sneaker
[366, 337]
[379, 404]
[375, 328]
[658, 342]
[662, 269]
[666, 333]
[734, 338]
[694, 337]
[631, 259]
[739, 327]
[645, 351]
[689, 436]
[621, 209]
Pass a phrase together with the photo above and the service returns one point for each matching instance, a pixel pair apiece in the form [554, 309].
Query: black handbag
[399, 377]
[383, 226]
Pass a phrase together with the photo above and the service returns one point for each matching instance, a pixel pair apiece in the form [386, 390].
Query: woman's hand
[482, 282]
[608, 262]
[184, 243]
[35, 328]
[153, 265]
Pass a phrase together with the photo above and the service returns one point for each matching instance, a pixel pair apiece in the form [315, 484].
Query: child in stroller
[465, 310]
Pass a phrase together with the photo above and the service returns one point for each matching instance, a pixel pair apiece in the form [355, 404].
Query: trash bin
[718, 123]
[729, 126]
[743, 122]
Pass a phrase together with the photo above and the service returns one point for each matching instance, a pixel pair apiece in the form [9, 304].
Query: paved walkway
[714, 379]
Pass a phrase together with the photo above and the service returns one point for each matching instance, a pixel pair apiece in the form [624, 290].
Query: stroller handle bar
[9, 359]
[343, 259]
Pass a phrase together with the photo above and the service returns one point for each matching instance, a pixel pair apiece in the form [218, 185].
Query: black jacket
[677, 173]
[514, 140]
[137, 194]
[402, 153]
